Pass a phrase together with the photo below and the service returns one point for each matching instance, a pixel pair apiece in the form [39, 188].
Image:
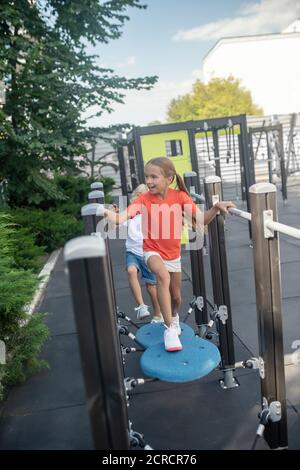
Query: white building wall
[268, 66]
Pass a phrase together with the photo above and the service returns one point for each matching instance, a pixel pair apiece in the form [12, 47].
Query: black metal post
[246, 160]
[133, 173]
[120, 154]
[216, 152]
[251, 152]
[88, 213]
[91, 219]
[282, 164]
[269, 154]
[220, 283]
[93, 304]
[194, 159]
[197, 266]
[139, 162]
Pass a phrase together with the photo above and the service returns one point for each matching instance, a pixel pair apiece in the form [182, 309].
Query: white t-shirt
[134, 242]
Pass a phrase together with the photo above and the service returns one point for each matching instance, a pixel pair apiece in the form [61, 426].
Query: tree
[50, 80]
[220, 97]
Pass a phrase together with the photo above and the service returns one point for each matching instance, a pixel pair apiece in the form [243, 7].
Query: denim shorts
[134, 260]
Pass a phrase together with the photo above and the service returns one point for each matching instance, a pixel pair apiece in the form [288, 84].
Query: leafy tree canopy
[50, 80]
[218, 98]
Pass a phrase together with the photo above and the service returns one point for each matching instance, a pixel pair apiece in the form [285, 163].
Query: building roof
[293, 27]
[293, 30]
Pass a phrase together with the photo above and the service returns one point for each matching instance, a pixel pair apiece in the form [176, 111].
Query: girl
[136, 263]
[162, 215]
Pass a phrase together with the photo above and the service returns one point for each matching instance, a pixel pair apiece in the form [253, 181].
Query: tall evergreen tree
[50, 80]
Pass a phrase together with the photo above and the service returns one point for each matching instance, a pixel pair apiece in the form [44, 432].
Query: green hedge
[22, 335]
[50, 229]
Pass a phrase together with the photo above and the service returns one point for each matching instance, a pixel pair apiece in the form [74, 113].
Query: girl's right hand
[223, 206]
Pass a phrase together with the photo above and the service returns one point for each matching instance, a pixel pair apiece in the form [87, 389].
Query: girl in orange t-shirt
[162, 210]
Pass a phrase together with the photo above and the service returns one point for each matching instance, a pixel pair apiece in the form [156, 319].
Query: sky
[170, 39]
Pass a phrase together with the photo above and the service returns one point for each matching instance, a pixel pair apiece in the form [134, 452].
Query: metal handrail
[269, 224]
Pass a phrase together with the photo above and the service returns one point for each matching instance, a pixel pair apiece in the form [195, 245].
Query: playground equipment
[179, 141]
[269, 364]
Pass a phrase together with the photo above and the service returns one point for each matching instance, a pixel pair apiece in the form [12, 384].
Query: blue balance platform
[153, 333]
[197, 359]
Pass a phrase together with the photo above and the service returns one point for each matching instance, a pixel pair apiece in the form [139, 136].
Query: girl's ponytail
[180, 184]
[182, 187]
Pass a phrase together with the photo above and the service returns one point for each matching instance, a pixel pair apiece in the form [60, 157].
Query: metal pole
[290, 141]
[133, 174]
[242, 169]
[282, 165]
[216, 152]
[88, 213]
[246, 159]
[139, 161]
[197, 266]
[120, 154]
[269, 157]
[220, 283]
[194, 158]
[93, 305]
[91, 220]
[96, 196]
[269, 312]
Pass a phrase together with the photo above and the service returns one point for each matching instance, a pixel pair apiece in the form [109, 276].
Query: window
[173, 148]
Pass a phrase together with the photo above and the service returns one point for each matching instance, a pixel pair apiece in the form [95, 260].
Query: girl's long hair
[168, 169]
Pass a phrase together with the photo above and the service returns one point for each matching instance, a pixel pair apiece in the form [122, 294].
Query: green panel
[154, 145]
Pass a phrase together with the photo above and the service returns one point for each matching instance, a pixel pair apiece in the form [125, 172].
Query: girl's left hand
[223, 206]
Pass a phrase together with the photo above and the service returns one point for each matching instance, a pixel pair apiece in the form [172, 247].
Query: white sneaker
[159, 319]
[172, 342]
[142, 311]
[175, 324]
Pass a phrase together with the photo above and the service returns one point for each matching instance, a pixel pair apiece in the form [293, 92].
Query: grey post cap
[212, 179]
[97, 185]
[189, 174]
[261, 188]
[89, 209]
[95, 194]
[84, 247]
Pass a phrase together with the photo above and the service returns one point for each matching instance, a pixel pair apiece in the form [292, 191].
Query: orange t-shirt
[162, 220]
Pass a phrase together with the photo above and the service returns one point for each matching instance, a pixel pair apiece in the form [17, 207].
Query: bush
[51, 229]
[77, 189]
[27, 255]
[22, 335]
[23, 351]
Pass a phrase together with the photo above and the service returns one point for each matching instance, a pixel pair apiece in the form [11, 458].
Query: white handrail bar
[282, 228]
[239, 213]
[270, 224]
